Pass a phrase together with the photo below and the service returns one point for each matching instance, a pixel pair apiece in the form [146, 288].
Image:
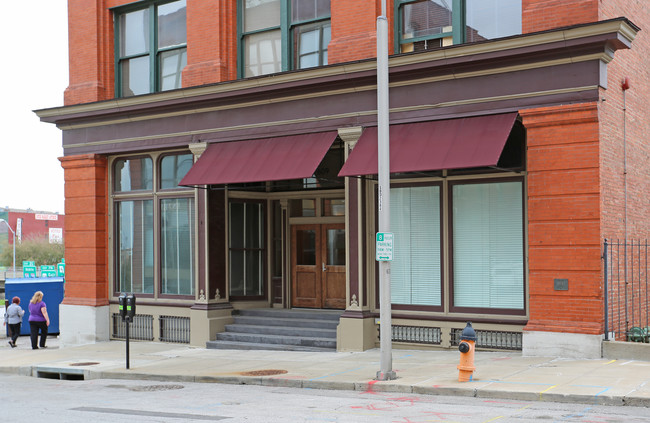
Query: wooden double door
[318, 266]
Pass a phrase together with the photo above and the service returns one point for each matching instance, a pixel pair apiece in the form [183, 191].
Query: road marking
[493, 419]
[546, 390]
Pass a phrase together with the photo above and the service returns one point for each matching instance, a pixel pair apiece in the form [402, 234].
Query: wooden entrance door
[318, 266]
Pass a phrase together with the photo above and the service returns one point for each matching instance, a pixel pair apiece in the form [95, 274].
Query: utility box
[24, 289]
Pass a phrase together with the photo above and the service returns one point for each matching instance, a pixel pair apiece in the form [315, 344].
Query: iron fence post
[606, 292]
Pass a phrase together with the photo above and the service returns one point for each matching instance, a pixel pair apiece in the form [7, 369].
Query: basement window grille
[141, 328]
[499, 340]
[416, 334]
[175, 329]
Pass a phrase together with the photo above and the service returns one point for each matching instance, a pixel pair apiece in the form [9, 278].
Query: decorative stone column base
[80, 325]
[206, 323]
[559, 344]
[356, 333]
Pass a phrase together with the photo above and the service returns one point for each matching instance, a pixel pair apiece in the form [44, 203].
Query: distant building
[32, 224]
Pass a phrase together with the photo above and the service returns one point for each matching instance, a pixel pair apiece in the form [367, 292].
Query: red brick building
[32, 224]
[219, 155]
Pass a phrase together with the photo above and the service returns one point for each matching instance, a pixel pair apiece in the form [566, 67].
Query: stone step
[234, 345]
[283, 330]
[283, 321]
[277, 339]
[280, 329]
[279, 313]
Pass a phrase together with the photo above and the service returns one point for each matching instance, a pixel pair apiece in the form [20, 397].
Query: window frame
[423, 307]
[139, 197]
[132, 191]
[159, 180]
[457, 25]
[287, 60]
[450, 245]
[156, 195]
[447, 306]
[158, 226]
[153, 53]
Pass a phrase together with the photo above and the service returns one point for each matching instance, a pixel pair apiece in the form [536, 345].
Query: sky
[34, 75]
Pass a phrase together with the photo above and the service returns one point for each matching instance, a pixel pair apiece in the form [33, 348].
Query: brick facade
[86, 253]
[624, 132]
[542, 15]
[563, 218]
[587, 175]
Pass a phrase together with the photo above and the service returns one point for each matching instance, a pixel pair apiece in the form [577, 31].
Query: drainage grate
[141, 328]
[417, 334]
[60, 375]
[175, 329]
[499, 340]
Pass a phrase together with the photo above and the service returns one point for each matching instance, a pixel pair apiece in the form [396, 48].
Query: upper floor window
[151, 47]
[279, 35]
[430, 24]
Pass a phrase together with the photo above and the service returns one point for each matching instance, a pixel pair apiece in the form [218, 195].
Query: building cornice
[614, 34]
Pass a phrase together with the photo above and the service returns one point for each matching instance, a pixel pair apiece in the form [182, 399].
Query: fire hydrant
[466, 347]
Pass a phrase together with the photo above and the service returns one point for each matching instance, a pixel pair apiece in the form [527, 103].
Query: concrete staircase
[280, 329]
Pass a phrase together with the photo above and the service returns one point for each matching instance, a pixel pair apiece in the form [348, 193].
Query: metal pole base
[386, 375]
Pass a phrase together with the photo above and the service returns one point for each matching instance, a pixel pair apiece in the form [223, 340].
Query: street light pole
[12, 231]
[383, 174]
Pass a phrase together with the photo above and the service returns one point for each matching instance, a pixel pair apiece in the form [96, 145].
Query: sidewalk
[503, 375]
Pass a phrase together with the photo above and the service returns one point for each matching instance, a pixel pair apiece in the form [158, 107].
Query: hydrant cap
[468, 333]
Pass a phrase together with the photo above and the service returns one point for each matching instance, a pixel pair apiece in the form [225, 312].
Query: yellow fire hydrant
[466, 347]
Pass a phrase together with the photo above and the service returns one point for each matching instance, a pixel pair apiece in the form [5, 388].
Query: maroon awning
[269, 159]
[435, 145]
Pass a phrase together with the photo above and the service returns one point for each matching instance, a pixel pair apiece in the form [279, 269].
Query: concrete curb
[503, 376]
[371, 386]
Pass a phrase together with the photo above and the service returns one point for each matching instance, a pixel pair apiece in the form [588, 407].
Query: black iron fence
[626, 290]
[141, 328]
[175, 329]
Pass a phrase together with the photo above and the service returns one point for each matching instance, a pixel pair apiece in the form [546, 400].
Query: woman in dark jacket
[13, 318]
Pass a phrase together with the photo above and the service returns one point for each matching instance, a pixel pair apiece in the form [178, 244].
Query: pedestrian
[38, 320]
[14, 317]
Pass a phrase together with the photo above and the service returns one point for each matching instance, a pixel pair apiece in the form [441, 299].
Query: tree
[38, 250]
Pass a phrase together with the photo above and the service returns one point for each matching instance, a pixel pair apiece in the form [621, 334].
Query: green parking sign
[384, 246]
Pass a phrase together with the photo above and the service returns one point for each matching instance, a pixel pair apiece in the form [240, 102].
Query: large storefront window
[246, 249]
[134, 221]
[484, 246]
[153, 221]
[488, 242]
[415, 223]
[177, 246]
